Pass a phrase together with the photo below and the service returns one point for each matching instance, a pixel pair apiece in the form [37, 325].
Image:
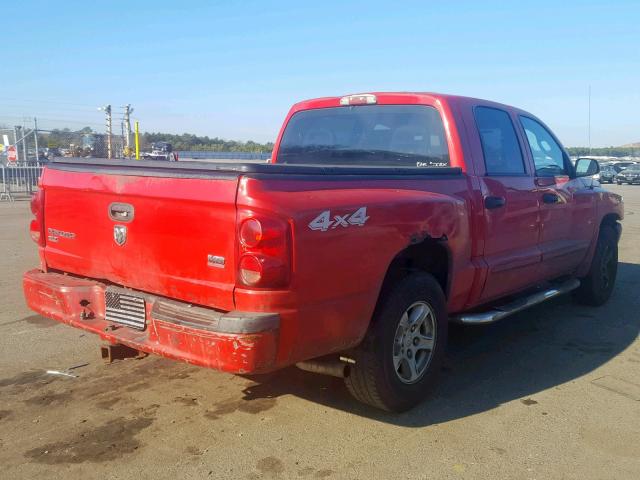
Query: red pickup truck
[379, 218]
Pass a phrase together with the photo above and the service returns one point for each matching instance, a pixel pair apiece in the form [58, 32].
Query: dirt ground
[550, 393]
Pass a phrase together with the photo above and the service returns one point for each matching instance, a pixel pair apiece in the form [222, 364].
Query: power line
[47, 101]
[64, 120]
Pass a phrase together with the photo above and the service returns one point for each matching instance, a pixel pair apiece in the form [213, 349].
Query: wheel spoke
[424, 343]
[404, 321]
[397, 362]
[417, 315]
[411, 366]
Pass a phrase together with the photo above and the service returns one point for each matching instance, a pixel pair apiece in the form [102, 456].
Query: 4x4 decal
[324, 222]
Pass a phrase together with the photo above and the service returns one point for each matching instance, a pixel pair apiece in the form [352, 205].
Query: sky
[232, 69]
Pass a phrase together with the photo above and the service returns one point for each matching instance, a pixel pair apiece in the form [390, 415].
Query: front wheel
[595, 289]
[401, 354]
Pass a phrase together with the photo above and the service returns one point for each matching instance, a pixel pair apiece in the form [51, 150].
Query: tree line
[605, 151]
[188, 141]
[64, 138]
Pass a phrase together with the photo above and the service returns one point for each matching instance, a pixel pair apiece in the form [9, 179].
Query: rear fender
[340, 262]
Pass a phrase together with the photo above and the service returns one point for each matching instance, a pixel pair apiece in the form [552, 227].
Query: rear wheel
[401, 354]
[595, 289]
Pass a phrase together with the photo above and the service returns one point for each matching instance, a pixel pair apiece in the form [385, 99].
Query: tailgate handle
[121, 212]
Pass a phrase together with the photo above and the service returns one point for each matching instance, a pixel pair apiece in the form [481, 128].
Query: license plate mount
[125, 309]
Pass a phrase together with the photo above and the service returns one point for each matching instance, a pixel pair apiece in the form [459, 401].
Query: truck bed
[184, 212]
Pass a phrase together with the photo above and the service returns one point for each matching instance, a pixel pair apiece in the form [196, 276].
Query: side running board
[502, 311]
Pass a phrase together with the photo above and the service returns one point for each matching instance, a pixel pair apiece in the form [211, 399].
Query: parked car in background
[52, 152]
[607, 174]
[161, 151]
[629, 175]
[619, 166]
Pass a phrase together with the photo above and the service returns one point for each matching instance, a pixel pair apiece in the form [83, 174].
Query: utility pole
[16, 141]
[18, 131]
[35, 136]
[589, 119]
[127, 124]
[109, 132]
[25, 145]
[107, 111]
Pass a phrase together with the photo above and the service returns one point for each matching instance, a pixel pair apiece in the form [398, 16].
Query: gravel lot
[550, 393]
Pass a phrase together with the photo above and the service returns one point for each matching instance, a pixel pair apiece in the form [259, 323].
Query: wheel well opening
[430, 256]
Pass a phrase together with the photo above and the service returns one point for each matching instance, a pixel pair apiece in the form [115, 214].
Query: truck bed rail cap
[206, 169]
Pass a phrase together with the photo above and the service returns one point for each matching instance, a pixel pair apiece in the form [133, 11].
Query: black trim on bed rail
[152, 168]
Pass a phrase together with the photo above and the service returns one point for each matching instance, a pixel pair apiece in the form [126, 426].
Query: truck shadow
[545, 347]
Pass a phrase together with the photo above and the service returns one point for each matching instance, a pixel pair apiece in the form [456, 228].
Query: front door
[566, 204]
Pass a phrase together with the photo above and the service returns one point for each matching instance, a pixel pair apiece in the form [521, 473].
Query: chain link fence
[18, 181]
[25, 147]
[30, 145]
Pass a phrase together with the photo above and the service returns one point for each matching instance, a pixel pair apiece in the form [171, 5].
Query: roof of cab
[396, 98]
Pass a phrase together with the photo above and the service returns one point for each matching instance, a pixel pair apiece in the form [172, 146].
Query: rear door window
[385, 135]
[502, 153]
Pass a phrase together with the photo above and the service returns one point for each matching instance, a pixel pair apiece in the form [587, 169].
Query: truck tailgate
[165, 245]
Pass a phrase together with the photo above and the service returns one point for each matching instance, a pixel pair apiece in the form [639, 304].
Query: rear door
[511, 207]
[567, 205]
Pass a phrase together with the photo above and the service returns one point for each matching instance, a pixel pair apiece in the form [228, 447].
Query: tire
[595, 289]
[374, 378]
[619, 183]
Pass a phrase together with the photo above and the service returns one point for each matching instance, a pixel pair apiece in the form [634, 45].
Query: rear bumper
[237, 342]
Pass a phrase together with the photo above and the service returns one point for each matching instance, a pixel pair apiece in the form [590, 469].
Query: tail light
[36, 227]
[264, 258]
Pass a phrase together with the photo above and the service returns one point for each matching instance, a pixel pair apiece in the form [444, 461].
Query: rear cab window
[375, 135]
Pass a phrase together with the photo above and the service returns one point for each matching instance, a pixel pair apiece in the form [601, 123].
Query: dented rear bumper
[237, 342]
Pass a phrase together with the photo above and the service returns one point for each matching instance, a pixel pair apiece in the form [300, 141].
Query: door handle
[550, 198]
[491, 203]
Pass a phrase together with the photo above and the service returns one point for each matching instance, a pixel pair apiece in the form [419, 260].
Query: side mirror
[587, 167]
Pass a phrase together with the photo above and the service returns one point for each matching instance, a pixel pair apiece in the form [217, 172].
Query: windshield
[388, 135]
[634, 168]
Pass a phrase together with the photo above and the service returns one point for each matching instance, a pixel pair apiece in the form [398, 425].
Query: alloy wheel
[414, 342]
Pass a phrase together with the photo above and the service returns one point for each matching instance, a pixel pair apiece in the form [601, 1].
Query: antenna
[589, 119]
